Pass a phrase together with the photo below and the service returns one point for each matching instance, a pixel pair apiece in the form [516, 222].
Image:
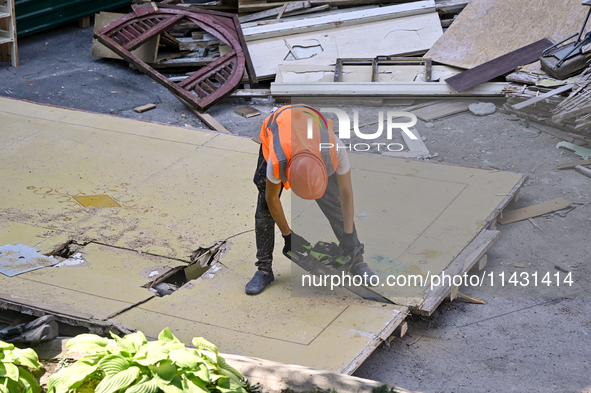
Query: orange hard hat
[307, 176]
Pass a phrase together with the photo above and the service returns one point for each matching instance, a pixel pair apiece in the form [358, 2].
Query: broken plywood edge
[383, 89]
[346, 19]
[465, 260]
[68, 317]
[375, 342]
[534, 211]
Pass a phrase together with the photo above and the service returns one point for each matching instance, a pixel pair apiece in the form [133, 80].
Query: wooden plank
[299, 73]
[396, 37]
[146, 52]
[499, 66]
[467, 258]
[574, 164]
[299, 5]
[379, 89]
[247, 111]
[209, 120]
[533, 211]
[443, 109]
[144, 108]
[542, 97]
[487, 29]
[341, 20]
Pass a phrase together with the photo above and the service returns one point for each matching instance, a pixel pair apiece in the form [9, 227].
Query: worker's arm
[272, 197]
[346, 190]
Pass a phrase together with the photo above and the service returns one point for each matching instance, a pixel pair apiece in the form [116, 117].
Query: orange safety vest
[285, 133]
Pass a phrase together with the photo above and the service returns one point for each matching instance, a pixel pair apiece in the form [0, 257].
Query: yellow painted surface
[180, 189]
[96, 201]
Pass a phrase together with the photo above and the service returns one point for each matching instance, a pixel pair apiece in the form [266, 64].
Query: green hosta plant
[14, 376]
[139, 366]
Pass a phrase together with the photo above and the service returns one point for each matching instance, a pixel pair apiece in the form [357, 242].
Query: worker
[315, 169]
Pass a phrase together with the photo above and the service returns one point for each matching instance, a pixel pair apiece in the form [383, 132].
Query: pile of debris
[362, 50]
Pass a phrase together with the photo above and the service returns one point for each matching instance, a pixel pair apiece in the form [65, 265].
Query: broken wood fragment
[470, 299]
[247, 111]
[534, 211]
[572, 165]
[144, 108]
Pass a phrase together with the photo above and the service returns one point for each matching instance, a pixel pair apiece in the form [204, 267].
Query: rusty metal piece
[382, 60]
[210, 83]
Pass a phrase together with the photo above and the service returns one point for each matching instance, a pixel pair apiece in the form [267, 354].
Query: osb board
[396, 37]
[387, 73]
[487, 29]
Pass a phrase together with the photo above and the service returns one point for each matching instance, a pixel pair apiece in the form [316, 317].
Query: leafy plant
[14, 376]
[138, 366]
[383, 389]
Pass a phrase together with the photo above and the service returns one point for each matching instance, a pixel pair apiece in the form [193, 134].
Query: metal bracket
[382, 60]
[204, 87]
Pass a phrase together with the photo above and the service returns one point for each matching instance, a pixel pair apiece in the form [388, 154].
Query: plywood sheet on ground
[180, 189]
[487, 29]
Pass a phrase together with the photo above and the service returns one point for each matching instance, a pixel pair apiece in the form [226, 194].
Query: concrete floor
[524, 339]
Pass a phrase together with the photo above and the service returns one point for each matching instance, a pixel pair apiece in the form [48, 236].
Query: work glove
[294, 242]
[349, 243]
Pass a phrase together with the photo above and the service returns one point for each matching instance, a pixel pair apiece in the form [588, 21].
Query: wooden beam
[574, 164]
[382, 89]
[275, 11]
[499, 66]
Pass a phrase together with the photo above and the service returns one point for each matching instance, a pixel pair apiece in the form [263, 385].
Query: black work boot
[258, 282]
[359, 269]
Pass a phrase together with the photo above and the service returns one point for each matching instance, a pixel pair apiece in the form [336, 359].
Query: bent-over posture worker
[289, 159]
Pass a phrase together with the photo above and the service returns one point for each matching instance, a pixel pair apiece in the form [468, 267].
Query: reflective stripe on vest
[280, 153]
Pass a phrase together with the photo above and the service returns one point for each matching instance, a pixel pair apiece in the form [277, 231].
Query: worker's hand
[294, 242]
[349, 243]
